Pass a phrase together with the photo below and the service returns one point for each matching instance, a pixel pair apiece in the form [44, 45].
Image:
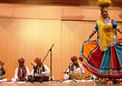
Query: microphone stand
[68, 71]
[51, 62]
[50, 50]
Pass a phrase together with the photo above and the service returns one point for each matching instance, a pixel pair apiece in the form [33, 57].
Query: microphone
[66, 72]
[51, 47]
[32, 65]
[34, 68]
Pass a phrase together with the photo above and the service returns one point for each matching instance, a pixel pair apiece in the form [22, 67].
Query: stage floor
[57, 83]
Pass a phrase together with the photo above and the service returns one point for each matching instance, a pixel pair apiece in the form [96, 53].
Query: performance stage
[58, 83]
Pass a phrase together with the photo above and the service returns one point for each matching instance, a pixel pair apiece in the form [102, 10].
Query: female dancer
[103, 57]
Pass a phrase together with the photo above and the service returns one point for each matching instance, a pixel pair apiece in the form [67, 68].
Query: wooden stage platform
[57, 83]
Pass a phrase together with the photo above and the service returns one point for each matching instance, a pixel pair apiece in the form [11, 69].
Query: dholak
[41, 78]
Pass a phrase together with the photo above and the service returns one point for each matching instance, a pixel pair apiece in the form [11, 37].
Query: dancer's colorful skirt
[102, 63]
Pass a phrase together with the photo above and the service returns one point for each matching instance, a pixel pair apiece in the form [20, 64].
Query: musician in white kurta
[2, 72]
[21, 72]
[75, 70]
[40, 69]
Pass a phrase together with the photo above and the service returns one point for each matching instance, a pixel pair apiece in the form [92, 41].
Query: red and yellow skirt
[102, 63]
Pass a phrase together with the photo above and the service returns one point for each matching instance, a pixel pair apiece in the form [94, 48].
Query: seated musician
[2, 72]
[21, 72]
[75, 70]
[40, 69]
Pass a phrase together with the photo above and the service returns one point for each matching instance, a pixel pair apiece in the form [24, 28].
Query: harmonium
[38, 78]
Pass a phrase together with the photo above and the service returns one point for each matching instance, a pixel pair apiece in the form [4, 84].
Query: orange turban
[37, 60]
[73, 58]
[21, 60]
